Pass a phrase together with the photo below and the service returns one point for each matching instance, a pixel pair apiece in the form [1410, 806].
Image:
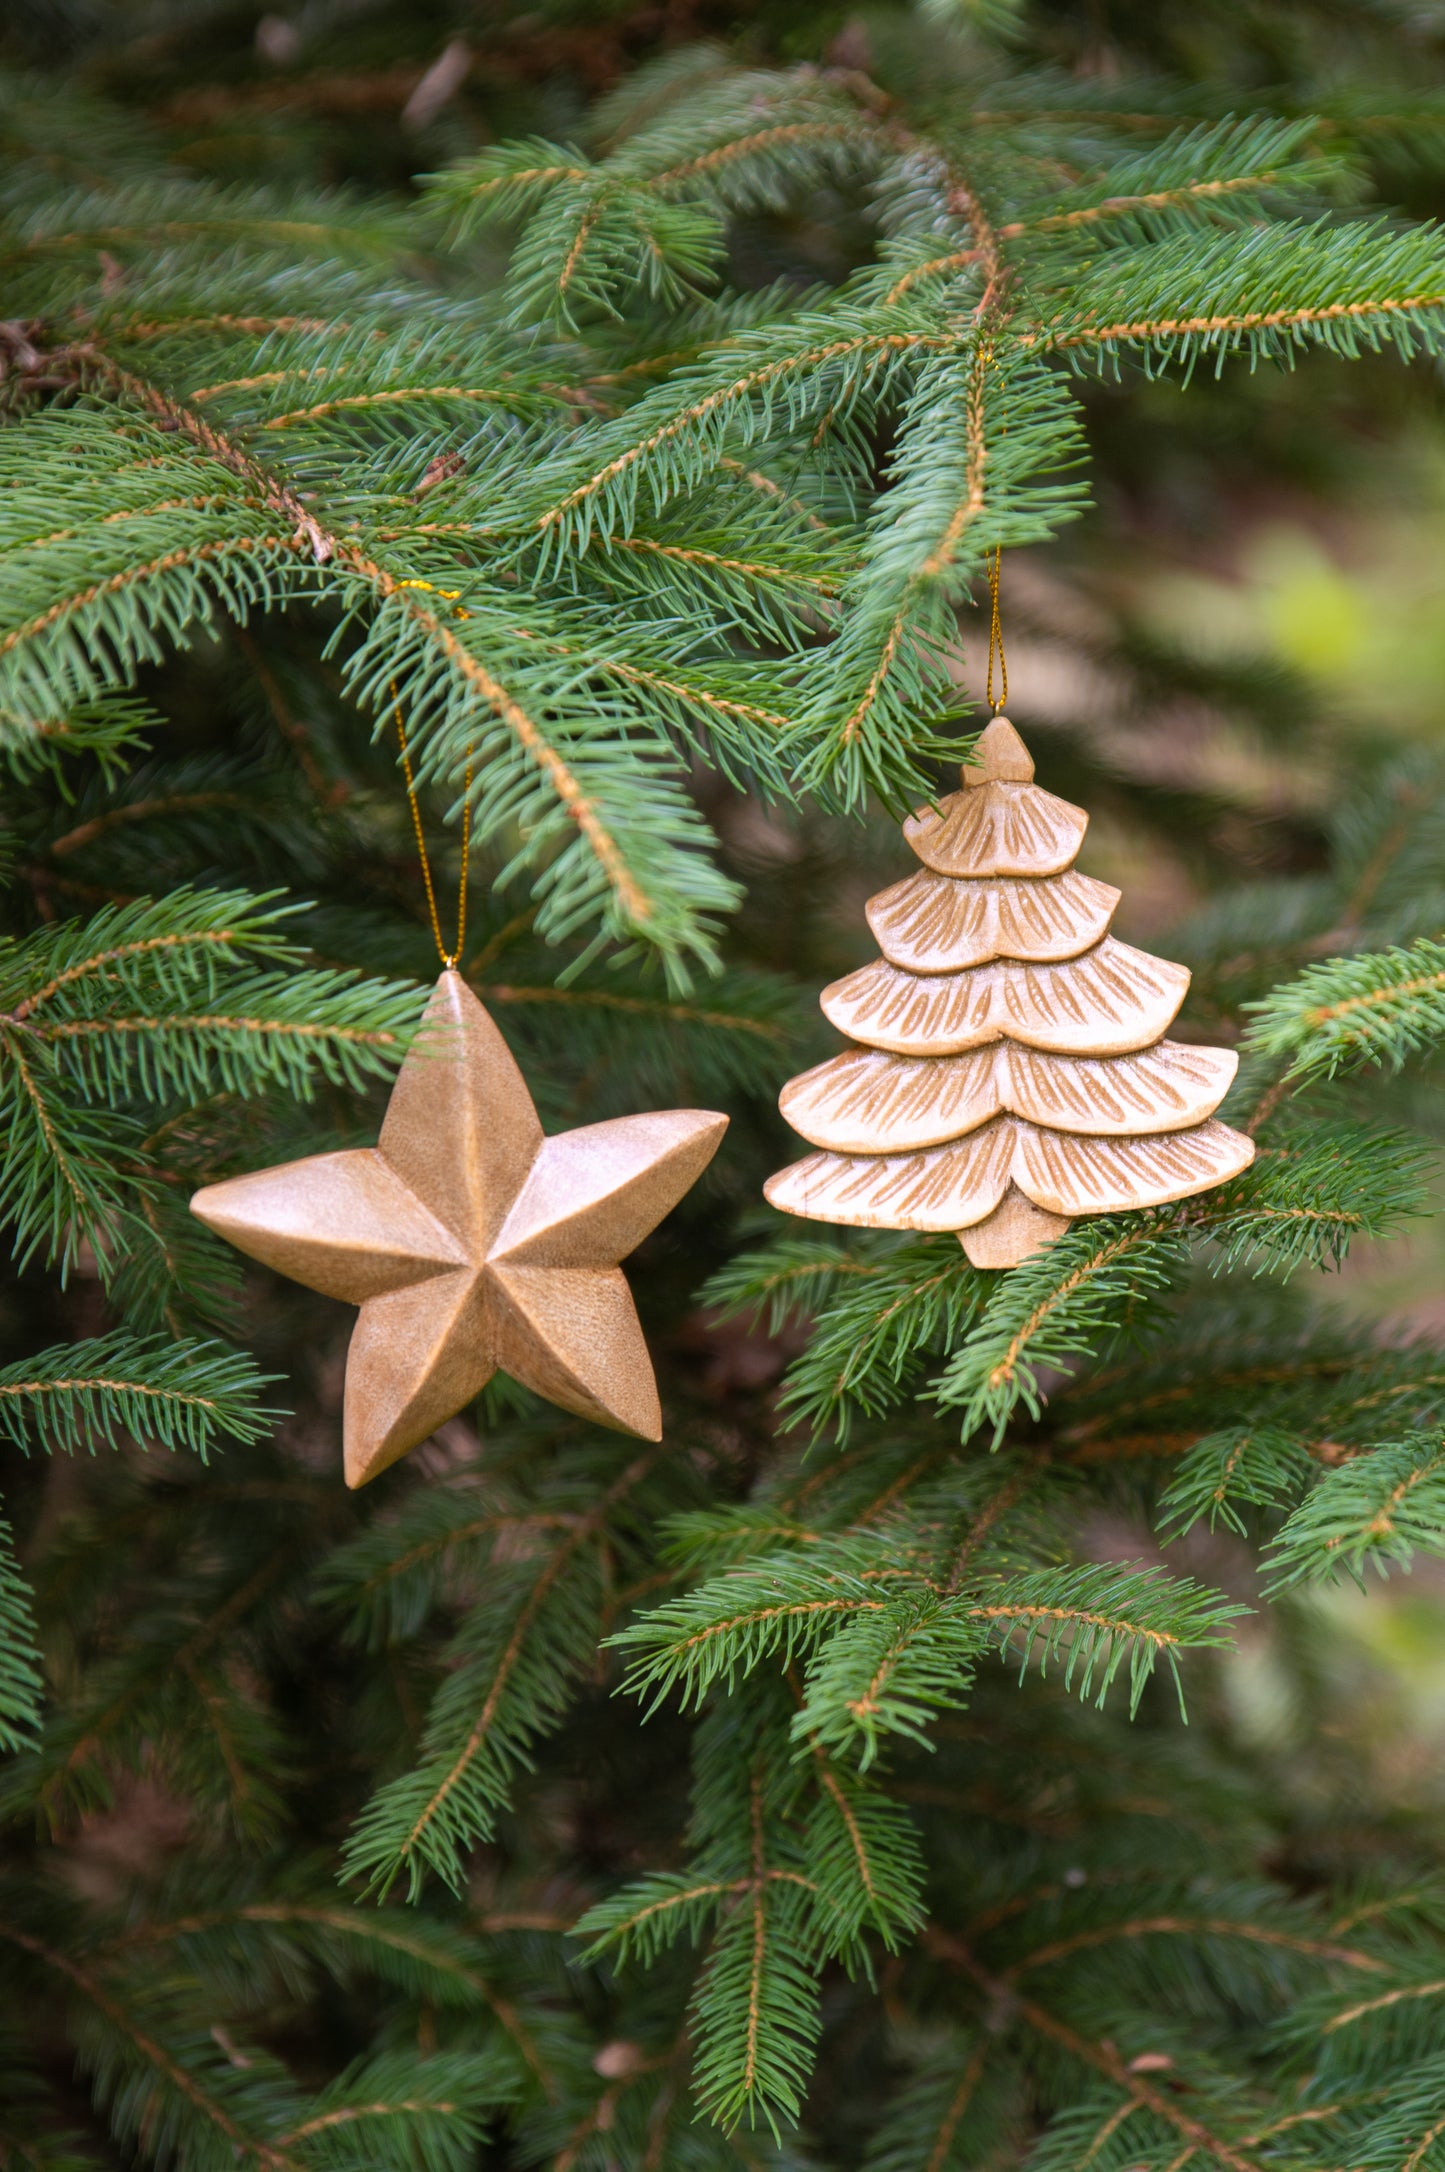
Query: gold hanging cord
[995, 636]
[450, 959]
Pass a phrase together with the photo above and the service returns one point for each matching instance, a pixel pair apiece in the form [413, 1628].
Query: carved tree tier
[1109, 1002]
[930, 924]
[998, 829]
[1013, 1071]
[952, 1187]
[868, 1102]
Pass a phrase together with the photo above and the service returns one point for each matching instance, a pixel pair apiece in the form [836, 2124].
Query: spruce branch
[792, 1278]
[111, 730]
[602, 821]
[1214, 2149]
[434, 1963]
[651, 1915]
[1243, 1466]
[138, 1001]
[763, 385]
[164, 2079]
[944, 2114]
[511, 1686]
[888, 1302]
[1375, 1510]
[1232, 171]
[286, 1030]
[21, 1681]
[721, 1632]
[863, 1858]
[176, 1394]
[756, 1974]
[1347, 1012]
[1268, 294]
[1088, 1284]
[223, 1750]
[60, 1187]
[890, 1672]
[975, 470]
[883, 1658]
[1243, 1369]
[646, 221]
[154, 213]
[1304, 1199]
[434, 2110]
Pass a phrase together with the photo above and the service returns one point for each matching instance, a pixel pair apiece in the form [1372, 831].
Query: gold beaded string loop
[995, 636]
[450, 959]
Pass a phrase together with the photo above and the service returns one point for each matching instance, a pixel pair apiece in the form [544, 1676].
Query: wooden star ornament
[471, 1242]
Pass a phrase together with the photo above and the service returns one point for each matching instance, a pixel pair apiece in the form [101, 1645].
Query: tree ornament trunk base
[1015, 1229]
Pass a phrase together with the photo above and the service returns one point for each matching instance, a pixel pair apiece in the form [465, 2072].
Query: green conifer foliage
[811, 1790]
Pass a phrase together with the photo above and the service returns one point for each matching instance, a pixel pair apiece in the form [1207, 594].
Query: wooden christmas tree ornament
[1013, 1071]
[472, 1243]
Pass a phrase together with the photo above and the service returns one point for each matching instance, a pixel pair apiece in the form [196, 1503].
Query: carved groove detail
[869, 1102]
[1110, 1001]
[998, 829]
[952, 1187]
[934, 924]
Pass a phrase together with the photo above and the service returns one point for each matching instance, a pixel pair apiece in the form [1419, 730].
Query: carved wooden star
[471, 1242]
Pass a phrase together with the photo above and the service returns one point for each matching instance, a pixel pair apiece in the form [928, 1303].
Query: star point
[472, 1242]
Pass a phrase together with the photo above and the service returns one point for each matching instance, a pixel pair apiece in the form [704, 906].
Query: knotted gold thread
[995, 636]
[450, 959]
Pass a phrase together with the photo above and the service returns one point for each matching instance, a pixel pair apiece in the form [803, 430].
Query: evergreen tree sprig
[174, 1393]
[21, 1682]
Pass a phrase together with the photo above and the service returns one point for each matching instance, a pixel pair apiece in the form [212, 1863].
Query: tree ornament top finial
[1000, 757]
